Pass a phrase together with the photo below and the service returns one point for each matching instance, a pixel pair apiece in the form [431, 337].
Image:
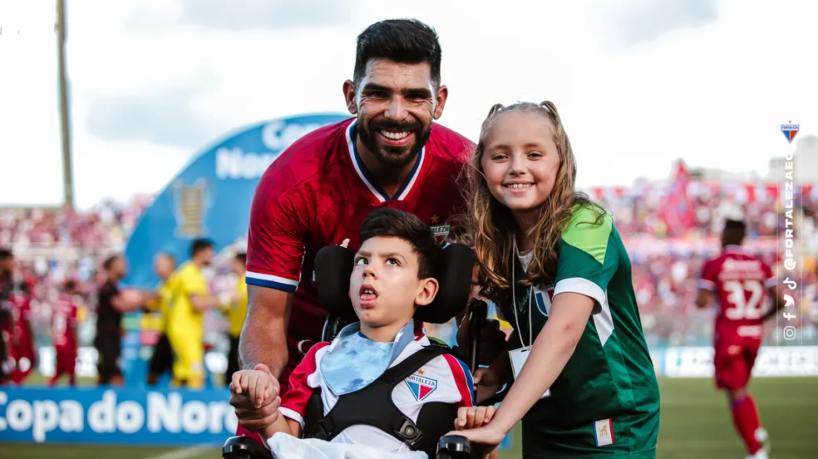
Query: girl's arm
[552, 349]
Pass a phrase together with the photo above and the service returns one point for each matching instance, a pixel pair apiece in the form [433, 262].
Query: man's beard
[390, 155]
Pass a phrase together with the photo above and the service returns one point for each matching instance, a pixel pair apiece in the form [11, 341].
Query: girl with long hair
[553, 262]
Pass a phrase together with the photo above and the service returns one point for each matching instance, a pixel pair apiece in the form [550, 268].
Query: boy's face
[384, 287]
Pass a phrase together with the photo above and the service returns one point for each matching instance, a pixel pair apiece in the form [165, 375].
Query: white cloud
[713, 91]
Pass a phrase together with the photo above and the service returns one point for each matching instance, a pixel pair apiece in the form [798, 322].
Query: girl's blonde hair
[490, 225]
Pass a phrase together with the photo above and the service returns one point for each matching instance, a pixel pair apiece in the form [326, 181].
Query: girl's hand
[485, 439]
[473, 417]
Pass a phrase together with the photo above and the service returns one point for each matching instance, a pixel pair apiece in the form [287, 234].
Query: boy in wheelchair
[379, 383]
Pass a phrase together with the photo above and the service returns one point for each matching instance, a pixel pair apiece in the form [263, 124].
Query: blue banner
[121, 416]
[211, 197]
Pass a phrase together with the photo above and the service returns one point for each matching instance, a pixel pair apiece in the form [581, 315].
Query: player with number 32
[739, 284]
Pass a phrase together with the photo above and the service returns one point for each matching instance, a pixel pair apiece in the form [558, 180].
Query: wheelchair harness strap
[373, 406]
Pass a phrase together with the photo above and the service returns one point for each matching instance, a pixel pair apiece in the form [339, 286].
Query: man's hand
[492, 339]
[487, 384]
[255, 399]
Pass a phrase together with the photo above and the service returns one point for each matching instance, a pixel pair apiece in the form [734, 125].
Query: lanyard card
[518, 358]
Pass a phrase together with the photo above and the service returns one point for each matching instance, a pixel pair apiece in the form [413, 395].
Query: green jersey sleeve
[587, 260]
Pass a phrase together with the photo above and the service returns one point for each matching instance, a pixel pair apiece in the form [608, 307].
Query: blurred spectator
[53, 245]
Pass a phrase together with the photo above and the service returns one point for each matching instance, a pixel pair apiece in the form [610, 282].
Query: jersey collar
[352, 361]
[364, 174]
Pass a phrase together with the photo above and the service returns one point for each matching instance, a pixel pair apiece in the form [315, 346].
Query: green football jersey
[605, 401]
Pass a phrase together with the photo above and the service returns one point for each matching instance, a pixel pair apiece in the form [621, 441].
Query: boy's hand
[254, 395]
[473, 417]
[257, 384]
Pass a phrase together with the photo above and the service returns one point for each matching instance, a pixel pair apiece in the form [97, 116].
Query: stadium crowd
[669, 229]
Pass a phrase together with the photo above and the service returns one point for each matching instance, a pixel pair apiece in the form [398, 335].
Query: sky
[638, 83]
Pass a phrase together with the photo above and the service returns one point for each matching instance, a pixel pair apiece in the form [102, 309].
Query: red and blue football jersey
[318, 192]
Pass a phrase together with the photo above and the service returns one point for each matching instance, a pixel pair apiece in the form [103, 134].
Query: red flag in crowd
[678, 211]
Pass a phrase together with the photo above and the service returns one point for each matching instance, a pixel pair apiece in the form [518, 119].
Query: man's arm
[202, 303]
[264, 334]
[124, 305]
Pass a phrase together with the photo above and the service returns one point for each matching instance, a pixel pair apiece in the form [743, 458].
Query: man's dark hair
[407, 41]
[242, 257]
[734, 232]
[106, 265]
[387, 222]
[198, 245]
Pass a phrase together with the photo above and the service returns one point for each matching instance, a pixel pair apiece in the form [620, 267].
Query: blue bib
[354, 361]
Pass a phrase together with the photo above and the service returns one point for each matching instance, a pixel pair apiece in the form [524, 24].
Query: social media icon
[790, 283]
[789, 333]
[789, 315]
[788, 301]
[789, 263]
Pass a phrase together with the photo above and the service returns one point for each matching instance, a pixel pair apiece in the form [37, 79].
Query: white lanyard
[514, 301]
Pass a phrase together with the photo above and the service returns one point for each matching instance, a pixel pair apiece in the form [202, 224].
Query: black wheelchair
[333, 268]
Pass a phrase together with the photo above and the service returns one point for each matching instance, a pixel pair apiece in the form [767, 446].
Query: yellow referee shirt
[186, 325]
[238, 310]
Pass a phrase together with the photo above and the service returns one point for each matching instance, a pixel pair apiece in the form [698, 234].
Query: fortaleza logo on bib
[420, 386]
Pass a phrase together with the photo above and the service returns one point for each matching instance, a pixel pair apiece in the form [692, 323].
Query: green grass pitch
[695, 424]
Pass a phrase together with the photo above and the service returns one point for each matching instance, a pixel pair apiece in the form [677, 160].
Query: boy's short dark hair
[199, 245]
[406, 41]
[387, 222]
[242, 257]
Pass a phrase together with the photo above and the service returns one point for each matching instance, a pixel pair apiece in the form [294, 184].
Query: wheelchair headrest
[334, 265]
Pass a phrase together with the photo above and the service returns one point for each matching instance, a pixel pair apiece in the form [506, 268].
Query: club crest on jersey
[790, 130]
[543, 299]
[441, 230]
[420, 386]
[191, 203]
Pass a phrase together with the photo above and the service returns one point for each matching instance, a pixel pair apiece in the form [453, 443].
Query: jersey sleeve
[462, 379]
[588, 257]
[709, 276]
[294, 402]
[276, 239]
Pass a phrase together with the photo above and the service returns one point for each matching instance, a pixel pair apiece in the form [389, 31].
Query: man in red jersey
[740, 283]
[23, 356]
[64, 334]
[319, 190]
